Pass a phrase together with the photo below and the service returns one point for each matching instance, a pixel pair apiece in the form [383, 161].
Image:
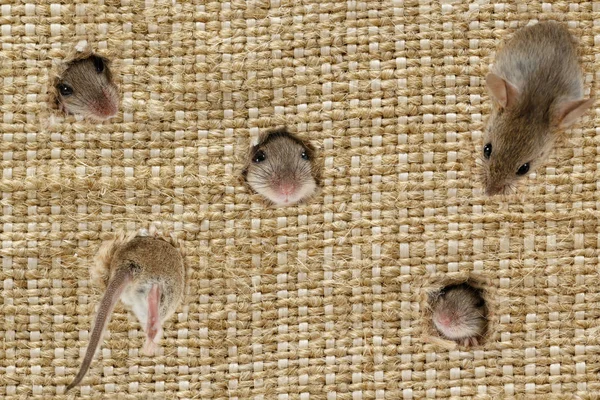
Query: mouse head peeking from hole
[460, 314]
[281, 168]
[86, 88]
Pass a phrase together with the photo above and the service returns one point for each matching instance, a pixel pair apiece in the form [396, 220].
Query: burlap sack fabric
[326, 300]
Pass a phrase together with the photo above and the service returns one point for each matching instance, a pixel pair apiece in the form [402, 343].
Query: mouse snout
[111, 99]
[444, 319]
[105, 104]
[287, 188]
[492, 190]
[495, 182]
[105, 111]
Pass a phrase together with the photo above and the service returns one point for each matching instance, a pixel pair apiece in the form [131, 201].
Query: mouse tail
[117, 284]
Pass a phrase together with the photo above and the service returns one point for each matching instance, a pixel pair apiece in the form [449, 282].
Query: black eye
[259, 156]
[98, 64]
[304, 155]
[523, 169]
[487, 151]
[65, 90]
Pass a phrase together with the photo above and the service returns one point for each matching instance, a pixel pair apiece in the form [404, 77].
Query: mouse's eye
[65, 90]
[259, 156]
[304, 155]
[523, 169]
[487, 151]
[98, 64]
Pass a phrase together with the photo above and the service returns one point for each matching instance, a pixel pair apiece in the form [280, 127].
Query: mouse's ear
[569, 111]
[502, 91]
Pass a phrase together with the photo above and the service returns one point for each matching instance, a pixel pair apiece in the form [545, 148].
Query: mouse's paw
[151, 343]
[470, 341]
[149, 348]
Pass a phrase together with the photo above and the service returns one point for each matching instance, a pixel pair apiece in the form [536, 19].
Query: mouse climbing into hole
[460, 314]
[282, 169]
[147, 274]
[86, 88]
[536, 88]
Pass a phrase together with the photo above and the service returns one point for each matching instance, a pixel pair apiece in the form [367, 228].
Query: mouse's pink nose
[444, 320]
[286, 188]
[106, 105]
[107, 108]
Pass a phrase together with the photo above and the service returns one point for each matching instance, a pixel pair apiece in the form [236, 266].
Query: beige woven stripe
[327, 300]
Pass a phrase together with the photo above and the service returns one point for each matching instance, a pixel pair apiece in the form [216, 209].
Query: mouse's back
[157, 261]
[155, 256]
[541, 61]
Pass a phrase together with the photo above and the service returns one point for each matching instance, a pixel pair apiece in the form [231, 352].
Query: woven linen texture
[324, 300]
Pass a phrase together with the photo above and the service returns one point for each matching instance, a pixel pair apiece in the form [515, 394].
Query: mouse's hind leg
[153, 325]
[144, 302]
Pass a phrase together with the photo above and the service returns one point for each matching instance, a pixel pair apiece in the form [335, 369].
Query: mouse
[459, 314]
[281, 168]
[536, 88]
[147, 274]
[86, 88]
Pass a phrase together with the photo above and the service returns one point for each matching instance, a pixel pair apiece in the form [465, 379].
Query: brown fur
[100, 271]
[466, 308]
[132, 264]
[540, 62]
[92, 91]
[283, 164]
